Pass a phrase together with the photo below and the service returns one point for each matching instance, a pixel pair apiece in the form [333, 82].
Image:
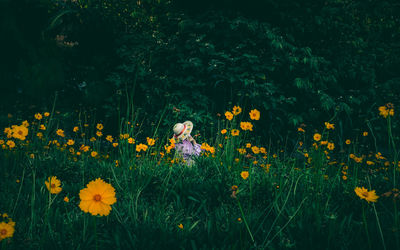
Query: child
[185, 144]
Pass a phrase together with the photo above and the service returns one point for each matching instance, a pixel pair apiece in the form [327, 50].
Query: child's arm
[192, 140]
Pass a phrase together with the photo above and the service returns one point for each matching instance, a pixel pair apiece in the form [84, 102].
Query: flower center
[20, 132]
[97, 197]
[3, 232]
[365, 194]
[53, 185]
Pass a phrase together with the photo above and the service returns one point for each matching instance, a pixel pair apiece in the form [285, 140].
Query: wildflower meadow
[199, 125]
[79, 187]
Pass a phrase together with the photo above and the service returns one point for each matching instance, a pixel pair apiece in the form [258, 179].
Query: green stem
[392, 143]
[95, 232]
[245, 221]
[379, 227]
[366, 226]
[32, 204]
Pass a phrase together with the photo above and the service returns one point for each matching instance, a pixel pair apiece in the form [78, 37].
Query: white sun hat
[182, 130]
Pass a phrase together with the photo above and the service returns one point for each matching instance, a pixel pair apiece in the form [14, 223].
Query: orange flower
[254, 114]
[363, 193]
[246, 126]
[331, 146]
[255, 149]
[38, 116]
[244, 174]
[99, 126]
[97, 198]
[228, 115]
[235, 132]
[60, 132]
[317, 137]
[19, 132]
[236, 110]
[329, 125]
[53, 185]
[150, 141]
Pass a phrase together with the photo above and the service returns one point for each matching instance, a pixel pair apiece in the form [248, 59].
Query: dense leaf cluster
[295, 61]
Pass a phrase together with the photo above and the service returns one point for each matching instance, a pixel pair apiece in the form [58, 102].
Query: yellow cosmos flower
[246, 126]
[363, 193]
[97, 198]
[348, 141]
[25, 124]
[228, 115]
[40, 135]
[115, 144]
[301, 130]
[329, 125]
[75, 129]
[46, 114]
[180, 226]
[84, 148]
[386, 110]
[331, 146]
[6, 230]
[8, 132]
[100, 126]
[317, 137]
[53, 185]
[223, 131]
[60, 132]
[235, 132]
[109, 138]
[254, 114]
[70, 142]
[141, 147]
[150, 141]
[244, 174]
[10, 144]
[66, 199]
[241, 151]
[255, 149]
[20, 132]
[236, 110]
[365, 133]
[99, 133]
[324, 142]
[131, 140]
[38, 116]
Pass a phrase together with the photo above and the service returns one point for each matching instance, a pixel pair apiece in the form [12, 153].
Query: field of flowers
[79, 187]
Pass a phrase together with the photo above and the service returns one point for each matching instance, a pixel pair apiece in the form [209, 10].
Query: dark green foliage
[297, 62]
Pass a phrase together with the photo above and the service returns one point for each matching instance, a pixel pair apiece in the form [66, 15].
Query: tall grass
[295, 198]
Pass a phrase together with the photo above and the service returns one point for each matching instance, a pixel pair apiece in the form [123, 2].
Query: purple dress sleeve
[187, 149]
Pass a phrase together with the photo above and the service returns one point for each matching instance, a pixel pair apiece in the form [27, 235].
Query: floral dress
[188, 150]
